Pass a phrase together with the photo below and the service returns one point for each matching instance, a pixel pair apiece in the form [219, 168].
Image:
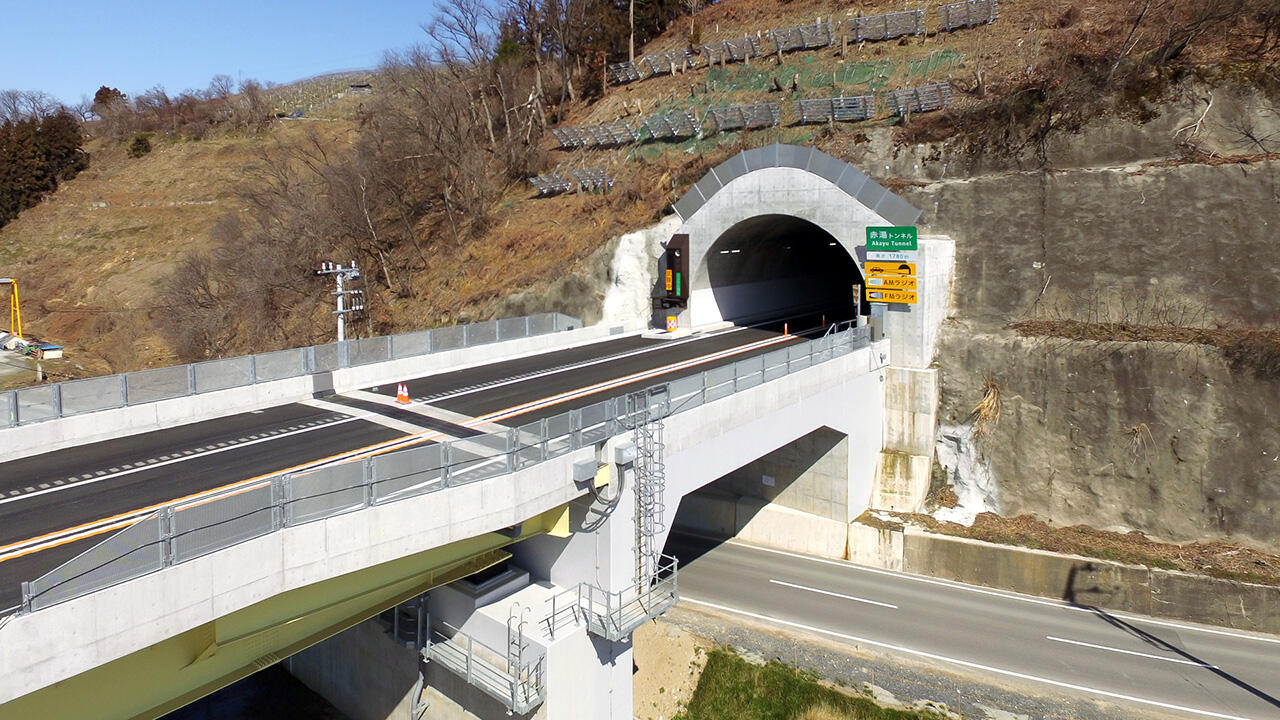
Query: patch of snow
[968, 473]
[627, 300]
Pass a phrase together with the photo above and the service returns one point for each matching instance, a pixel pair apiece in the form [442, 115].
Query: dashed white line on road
[833, 594]
[966, 663]
[1081, 643]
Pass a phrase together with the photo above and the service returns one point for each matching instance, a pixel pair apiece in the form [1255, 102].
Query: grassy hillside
[94, 258]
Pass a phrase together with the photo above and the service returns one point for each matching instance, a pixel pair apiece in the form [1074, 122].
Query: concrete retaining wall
[1087, 581]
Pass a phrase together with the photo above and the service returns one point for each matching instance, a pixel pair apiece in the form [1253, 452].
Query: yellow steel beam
[156, 680]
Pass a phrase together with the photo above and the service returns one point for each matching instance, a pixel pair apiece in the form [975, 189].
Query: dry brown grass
[986, 414]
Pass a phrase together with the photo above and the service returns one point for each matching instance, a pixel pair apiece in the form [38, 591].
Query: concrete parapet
[875, 547]
[42, 437]
[1085, 581]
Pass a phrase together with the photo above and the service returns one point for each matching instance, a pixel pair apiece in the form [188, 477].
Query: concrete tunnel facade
[779, 230]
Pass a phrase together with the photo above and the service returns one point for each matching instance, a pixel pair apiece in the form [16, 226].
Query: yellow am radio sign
[891, 283]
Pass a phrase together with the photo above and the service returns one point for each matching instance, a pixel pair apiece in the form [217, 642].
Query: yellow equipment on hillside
[15, 315]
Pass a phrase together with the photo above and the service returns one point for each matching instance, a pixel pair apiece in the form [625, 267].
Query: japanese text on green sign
[892, 238]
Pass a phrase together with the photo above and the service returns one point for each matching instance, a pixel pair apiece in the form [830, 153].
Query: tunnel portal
[775, 268]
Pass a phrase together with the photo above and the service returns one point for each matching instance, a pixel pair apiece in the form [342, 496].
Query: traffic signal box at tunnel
[675, 272]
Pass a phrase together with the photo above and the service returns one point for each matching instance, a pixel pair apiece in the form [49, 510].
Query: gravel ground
[898, 681]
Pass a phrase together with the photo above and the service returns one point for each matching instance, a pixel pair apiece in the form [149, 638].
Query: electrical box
[624, 454]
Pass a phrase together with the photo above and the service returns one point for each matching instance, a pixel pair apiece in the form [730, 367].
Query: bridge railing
[419, 464]
[76, 397]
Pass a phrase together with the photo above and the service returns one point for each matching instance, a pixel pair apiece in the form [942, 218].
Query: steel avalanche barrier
[197, 526]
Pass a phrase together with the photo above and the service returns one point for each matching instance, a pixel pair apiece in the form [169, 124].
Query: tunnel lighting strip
[115, 522]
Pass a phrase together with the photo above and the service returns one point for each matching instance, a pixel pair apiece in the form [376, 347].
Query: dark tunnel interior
[772, 269]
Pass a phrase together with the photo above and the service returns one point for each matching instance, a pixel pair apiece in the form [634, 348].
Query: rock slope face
[1128, 226]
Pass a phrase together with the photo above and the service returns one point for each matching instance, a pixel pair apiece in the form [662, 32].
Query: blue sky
[69, 48]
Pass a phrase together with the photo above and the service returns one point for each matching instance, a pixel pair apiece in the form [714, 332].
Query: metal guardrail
[520, 687]
[614, 615]
[189, 529]
[77, 397]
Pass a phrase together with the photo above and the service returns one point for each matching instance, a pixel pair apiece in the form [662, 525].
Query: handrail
[41, 403]
[182, 531]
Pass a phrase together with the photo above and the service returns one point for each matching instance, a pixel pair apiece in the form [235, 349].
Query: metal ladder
[645, 412]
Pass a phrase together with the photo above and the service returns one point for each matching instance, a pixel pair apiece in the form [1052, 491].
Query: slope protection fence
[77, 397]
[192, 528]
[886, 26]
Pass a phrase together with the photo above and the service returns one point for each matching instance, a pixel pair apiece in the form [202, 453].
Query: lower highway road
[55, 505]
[1161, 668]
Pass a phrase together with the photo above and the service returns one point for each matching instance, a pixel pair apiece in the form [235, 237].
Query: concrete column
[588, 676]
[911, 386]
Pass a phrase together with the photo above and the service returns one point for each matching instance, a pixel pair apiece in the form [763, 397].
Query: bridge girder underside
[158, 679]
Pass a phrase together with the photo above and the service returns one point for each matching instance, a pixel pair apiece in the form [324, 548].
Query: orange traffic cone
[402, 394]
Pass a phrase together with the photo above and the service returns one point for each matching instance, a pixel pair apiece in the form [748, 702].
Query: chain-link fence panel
[478, 458]
[513, 328]
[529, 448]
[482, 333]
[130, 553]
[748, 373]
[363, 351]
[223, 374]
[8, 409]
[447, 338]
[327, 358]
[560, 434]
[165, 383]
[280, 364]
[202, 527]
[542, 324]
[36, 404]
[775, 364]
[685, 393]
[565, 322]
[411, 344]
[324, 492]
[408, 472]
[719, 382]
[799, 356]
[92, 394]
[595, 423]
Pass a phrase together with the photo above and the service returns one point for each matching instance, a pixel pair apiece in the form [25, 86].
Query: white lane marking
[1007, 595]
[1081, 643]
[832, 594]
[27, 546]
[629, 379]
[390, 422]
[966, 663]
[575, 366]
[101, 475]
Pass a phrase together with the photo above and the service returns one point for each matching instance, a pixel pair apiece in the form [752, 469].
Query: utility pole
[341, 275]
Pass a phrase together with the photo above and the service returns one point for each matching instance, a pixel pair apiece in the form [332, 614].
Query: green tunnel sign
[892, 239]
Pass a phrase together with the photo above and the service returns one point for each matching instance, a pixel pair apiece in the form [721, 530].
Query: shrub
[140, 146]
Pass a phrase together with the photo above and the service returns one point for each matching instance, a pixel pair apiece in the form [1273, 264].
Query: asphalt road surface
[58, 504]
[1169, 668]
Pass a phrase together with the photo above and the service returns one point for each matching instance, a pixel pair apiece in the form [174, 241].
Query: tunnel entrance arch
[765, 199]
[778, 268]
